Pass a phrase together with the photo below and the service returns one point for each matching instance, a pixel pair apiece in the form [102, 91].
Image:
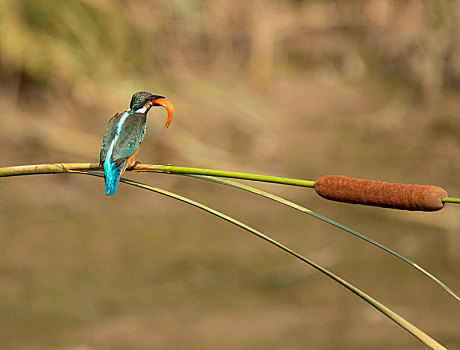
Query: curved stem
[416, 332]
[167, 169]
[79, 168]
[170, 169]
[331, 222]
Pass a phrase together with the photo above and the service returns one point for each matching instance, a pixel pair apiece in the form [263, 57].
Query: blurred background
[292, 88]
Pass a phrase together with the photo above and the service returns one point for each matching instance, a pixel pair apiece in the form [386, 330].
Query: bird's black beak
[156, 97]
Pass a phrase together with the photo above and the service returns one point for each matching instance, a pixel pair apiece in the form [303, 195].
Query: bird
[123, 136]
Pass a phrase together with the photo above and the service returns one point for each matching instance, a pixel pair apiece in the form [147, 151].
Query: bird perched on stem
[125, 132]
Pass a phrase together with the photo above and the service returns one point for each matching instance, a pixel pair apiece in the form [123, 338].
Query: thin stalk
[329, 221]
[169, 169]
[77, 168]
[222, 173]
[450, 200]
[197, 172]
[402, 322]
[47, 168]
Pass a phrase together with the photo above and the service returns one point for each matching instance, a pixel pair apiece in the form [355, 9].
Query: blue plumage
[112, 176]
[125, 132]
[123, 136]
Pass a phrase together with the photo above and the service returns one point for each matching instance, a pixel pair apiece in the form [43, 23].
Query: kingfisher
[124, 134]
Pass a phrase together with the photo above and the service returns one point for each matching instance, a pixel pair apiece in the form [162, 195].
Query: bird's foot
[134, 165]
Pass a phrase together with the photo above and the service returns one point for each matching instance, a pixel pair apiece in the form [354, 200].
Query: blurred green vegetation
[292, 88]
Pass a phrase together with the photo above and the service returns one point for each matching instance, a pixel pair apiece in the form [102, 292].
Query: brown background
[301, 89]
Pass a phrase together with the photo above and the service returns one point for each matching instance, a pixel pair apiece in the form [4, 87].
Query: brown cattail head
[381, 194]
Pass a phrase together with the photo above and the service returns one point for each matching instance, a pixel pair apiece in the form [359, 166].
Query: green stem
[329, 221]
[450, 200]
[416, 332]
[79, 168]
[47, 168]
[170, 169]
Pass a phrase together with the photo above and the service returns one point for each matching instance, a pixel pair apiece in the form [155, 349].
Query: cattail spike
[381, 194]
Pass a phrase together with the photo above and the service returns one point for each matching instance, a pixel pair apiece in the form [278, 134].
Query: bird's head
[142, 101]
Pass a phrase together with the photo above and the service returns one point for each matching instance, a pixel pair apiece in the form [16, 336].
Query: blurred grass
[295, 88]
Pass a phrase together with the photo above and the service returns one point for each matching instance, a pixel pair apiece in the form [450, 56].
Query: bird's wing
[130, 137]
[109, 135]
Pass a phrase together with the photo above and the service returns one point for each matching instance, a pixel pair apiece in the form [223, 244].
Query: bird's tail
[111, 177]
